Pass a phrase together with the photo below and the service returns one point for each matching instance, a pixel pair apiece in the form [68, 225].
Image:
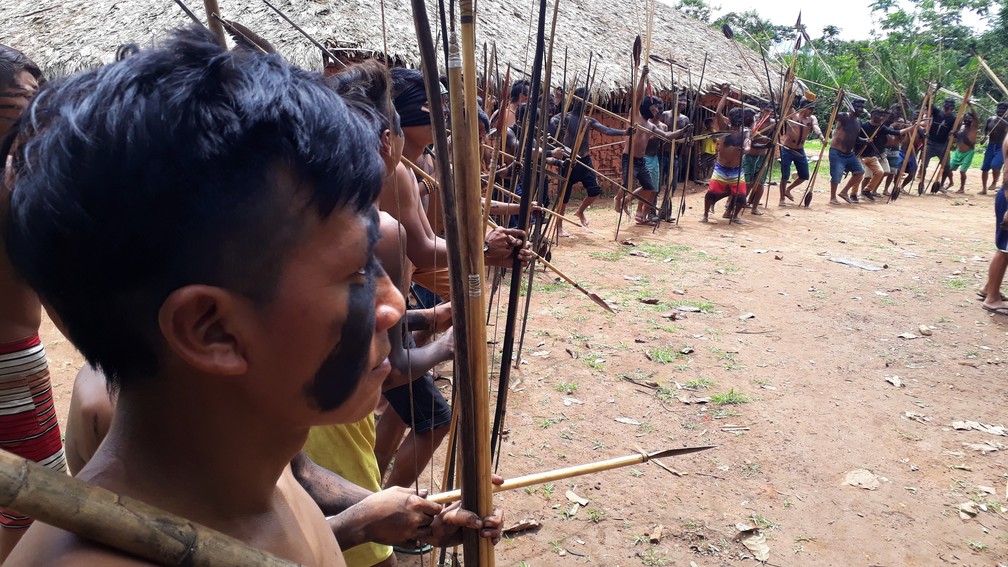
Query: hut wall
[607, 159]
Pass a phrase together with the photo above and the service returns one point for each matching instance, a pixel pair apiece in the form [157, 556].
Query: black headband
[409, 104]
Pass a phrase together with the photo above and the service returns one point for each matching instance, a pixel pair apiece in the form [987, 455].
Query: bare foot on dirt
[581, 217]
[834, 202]
[564, 234]
[756, 211]
[704, 219]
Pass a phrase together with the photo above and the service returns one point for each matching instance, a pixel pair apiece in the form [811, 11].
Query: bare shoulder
[45, 545]
[398, 190]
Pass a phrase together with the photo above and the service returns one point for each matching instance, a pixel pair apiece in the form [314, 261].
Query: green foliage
[696, 9]
[753, 30]
[914, 42]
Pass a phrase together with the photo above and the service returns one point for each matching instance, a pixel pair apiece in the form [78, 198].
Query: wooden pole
[951, 139]
[570, 472]
[118, 521]
[807, 197]
[473, 384]
[215, 26]
[635, 93]
[787, 100]
[898, 185]
[990, 73]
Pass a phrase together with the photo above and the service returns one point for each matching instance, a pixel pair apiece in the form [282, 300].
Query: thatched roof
[65, 36]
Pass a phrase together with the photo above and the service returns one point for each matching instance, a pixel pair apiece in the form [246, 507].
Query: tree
[697, 9]
[764, 32]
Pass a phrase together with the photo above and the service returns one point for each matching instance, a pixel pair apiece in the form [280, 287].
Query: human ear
[201, 325]
[386, 143]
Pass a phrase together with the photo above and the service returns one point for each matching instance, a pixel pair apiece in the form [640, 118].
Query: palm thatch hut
[65, 36]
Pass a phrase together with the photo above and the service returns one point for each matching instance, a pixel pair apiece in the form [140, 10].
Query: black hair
[483, 119]
[520, 112]
[645, 106]
[518, 89]
[13, 63]
[735, 117]
[949, 102]
[184, 164]
[125, 50]
[369, 83]
[748, 117]
[409, 95]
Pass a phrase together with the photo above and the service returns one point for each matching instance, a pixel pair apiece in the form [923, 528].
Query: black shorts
[640, 171]
[430, 409]
[581, 174]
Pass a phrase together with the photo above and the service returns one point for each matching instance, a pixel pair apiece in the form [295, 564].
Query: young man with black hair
[942, 122]
[965, 146]
[28, 424]
[875, 138]
[641, 132]
[842, 158]
[994, 134]
[727, 179]
[567, 128]
[798, 125]
[234, 299]
[518, 96]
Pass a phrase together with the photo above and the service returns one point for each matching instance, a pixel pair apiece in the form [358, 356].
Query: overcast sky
[854, 19]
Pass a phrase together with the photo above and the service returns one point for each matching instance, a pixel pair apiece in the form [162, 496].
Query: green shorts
[751, 166]
[961, 160]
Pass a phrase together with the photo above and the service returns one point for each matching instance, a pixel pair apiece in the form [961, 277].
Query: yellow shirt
[348, 450]
[708, 146]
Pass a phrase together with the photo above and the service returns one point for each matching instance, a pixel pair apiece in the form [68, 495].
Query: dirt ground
[779, 356]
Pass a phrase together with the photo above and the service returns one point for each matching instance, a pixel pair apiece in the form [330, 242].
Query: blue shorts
[993, 157]
[840, 162]
[798, 158]
[1000, 208]
[911, 167]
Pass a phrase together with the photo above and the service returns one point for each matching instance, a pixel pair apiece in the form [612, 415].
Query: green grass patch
[607, 256]
[666, 355]
[956, 283]
[699, 383]
[731, 397]
[703, 306]
[566, 388]
[663, 251]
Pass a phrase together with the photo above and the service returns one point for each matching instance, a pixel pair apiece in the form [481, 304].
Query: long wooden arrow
[593, 296]
[576, 470]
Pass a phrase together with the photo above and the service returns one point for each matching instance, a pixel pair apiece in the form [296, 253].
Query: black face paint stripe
[338, 376]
